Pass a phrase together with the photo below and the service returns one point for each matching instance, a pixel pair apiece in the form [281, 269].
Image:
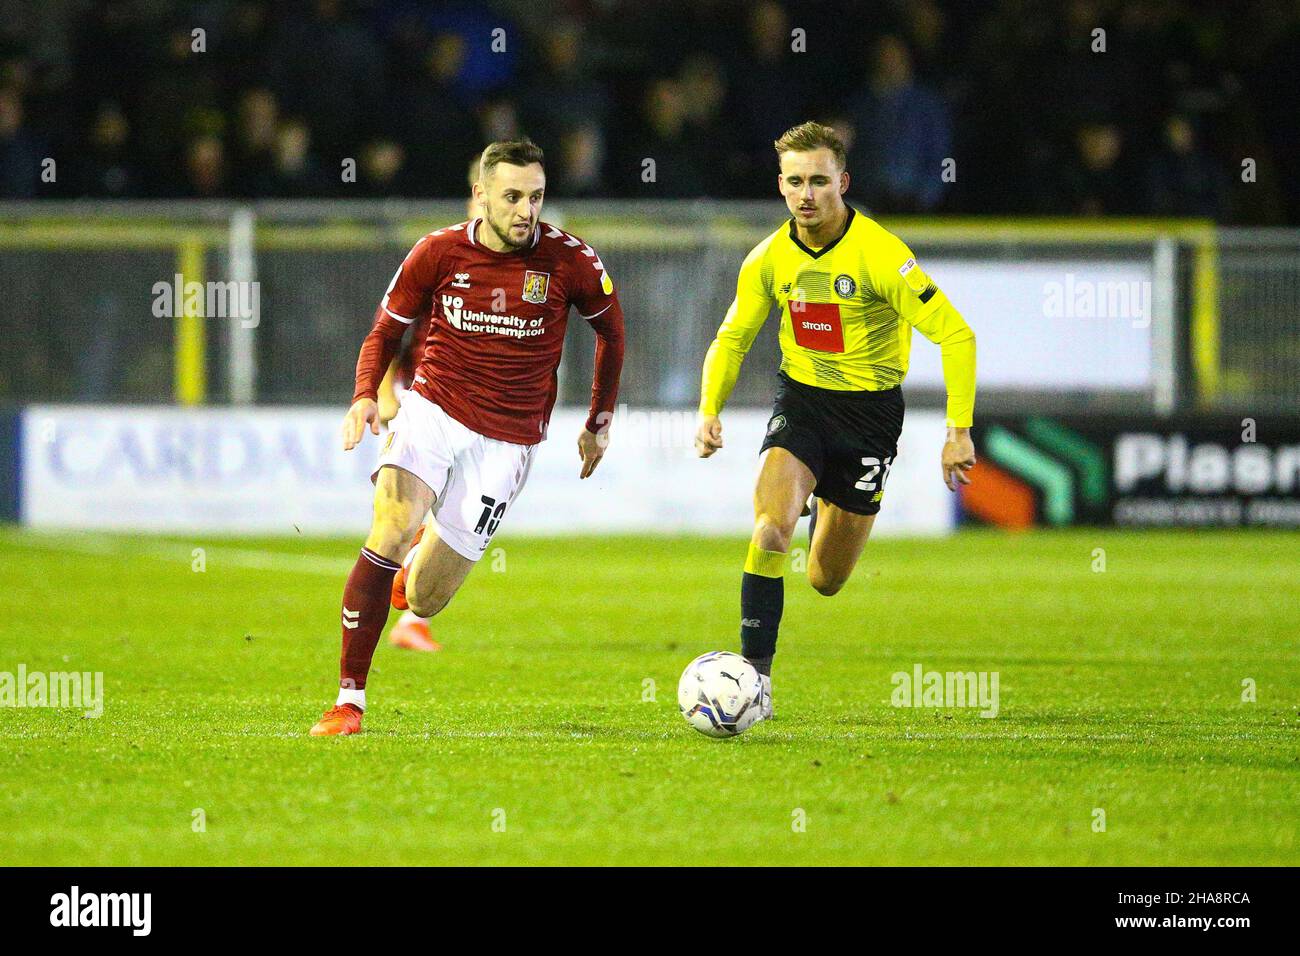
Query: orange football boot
[399, 579]
[340, 721]
[413, 633]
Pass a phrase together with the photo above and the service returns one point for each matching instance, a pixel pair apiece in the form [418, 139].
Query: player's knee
[824, 583]
[391, 533]
[427, 606]
[772, 533]
[426, 598]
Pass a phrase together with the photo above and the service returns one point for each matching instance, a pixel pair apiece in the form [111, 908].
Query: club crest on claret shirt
[535, 286]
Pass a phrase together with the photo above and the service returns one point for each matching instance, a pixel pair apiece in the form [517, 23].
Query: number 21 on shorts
[875, 468]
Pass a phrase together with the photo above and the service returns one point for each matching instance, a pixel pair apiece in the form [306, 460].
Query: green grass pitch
[527, 741]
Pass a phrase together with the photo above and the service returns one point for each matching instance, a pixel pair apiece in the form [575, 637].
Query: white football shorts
[474, 478]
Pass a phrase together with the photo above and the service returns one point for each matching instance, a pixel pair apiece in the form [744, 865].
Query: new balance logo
[351, 619]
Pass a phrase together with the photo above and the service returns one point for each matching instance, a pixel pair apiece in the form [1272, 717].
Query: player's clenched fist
[363, 411]
[708, 437]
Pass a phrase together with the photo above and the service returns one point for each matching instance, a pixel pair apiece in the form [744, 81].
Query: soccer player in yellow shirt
[849, 294]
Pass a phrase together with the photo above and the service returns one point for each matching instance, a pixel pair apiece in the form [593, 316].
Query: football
[720, 694]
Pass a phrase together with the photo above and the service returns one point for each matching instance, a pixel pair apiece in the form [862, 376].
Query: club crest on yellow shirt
[535, 286]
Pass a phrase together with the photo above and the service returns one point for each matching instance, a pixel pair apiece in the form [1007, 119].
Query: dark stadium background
[1155, 126]
[281, 95]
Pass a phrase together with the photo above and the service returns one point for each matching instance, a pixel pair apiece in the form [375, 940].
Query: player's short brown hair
[516, 152]
[809, 136]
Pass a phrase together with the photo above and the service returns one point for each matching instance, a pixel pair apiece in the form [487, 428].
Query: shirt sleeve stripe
[403, 320]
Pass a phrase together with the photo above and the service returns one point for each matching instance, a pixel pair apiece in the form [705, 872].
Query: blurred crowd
[275, 99]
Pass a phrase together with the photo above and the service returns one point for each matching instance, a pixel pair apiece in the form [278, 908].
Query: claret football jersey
[497, 321]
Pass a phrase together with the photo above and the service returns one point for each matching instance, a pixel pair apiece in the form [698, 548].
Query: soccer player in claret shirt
[849, 295]
[498, 289]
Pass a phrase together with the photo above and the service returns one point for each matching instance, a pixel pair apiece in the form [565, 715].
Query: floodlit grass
[528, 739]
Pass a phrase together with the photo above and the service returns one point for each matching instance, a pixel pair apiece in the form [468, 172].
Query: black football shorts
[849, 440]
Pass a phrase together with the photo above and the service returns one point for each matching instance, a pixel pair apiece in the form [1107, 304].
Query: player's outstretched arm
[377, 353]
[958, 458]
[593, 439]
[746, 315]
[900, 280]
[409, 295]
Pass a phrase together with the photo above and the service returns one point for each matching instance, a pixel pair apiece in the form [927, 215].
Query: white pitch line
[214, 557]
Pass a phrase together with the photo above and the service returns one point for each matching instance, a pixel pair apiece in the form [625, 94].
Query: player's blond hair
[516, 152]
[809, 136]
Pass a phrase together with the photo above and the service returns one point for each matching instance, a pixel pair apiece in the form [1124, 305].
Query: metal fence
[80, 305]
[1256, 341]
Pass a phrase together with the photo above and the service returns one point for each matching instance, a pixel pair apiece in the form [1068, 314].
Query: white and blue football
[720, 694]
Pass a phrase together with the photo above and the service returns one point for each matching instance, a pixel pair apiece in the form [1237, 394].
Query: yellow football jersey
[847, 313]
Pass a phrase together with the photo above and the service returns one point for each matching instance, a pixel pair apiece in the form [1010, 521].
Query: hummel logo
[750, 622]
[351, 619]
[461, 281]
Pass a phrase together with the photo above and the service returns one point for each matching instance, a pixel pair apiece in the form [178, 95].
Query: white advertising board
[1052, 325]
[283, 471]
